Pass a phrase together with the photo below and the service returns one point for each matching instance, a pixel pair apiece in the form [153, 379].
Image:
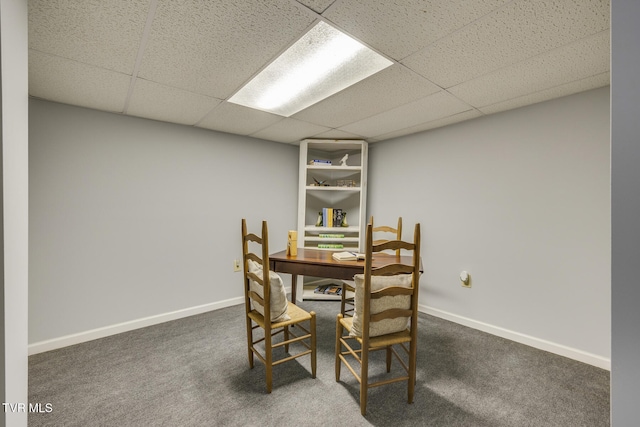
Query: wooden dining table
[320, 263]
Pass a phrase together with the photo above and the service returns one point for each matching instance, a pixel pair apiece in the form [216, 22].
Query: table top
[309, 258]
[320, 263]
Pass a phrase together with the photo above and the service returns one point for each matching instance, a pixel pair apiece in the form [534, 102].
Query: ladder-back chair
[385, 318]
[348, 286]
[267, 308]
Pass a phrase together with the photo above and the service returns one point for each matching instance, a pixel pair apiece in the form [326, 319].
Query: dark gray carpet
[194, 372]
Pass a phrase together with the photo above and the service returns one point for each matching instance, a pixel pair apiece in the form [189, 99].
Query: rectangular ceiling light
[324, 61]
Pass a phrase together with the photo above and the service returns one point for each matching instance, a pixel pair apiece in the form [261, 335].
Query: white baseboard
[572, 353]
[53, 344]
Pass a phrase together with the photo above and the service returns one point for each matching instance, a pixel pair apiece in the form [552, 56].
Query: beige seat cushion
[386, 326]
[278, 294]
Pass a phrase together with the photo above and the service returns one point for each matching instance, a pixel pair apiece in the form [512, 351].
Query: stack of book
[328, 290]
[348, 256]
[332, 217]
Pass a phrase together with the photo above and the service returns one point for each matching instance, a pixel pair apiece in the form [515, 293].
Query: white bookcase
[331, 185]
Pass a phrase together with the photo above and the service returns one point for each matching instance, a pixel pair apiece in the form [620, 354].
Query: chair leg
[411, 386]
[249, 342]
[338, 346]
[312, 325]
[268, 356]
[364, 380]
[388, 358]
[286, 339]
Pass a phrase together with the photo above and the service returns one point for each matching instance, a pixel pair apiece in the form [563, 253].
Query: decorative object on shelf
[319, 221]
[344, 222]
[320, 183]
[292, 243]
[343, 161]
[346, 183]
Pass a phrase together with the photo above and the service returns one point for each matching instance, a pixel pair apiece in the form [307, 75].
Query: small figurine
[321, 183]
[343, 161]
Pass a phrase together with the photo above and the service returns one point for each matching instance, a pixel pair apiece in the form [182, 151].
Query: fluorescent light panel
[324, 61]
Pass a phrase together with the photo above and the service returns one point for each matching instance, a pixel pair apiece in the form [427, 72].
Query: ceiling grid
[180, 62]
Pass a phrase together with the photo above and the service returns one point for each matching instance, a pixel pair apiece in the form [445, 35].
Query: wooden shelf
[314, 198]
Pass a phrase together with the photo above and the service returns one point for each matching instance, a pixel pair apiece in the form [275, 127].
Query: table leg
[294, 286]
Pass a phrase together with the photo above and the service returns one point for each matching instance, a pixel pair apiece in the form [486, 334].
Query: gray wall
[131, 218]
[520, 200]
[625, 141]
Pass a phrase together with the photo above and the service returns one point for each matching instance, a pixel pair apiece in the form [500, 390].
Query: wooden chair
[267, 308]
[346, 302]
[382, 323]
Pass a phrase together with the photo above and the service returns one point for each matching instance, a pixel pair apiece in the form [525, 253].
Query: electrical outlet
[236, 265]
[465, 279]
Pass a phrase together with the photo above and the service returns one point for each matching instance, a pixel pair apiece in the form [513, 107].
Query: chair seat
[380, 341]
[296, 313]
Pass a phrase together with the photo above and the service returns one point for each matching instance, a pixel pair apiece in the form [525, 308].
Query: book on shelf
[348, 256]
[319, 162]
[328, 290]
[337, 217]
[327, 217]
[330, 246]
[332, 217]
[331, 236]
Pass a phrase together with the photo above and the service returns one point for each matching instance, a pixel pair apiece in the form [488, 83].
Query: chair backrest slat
[391, 314]
[253, 276]
[254, 257]
[392, 269]
[256, 298]
[391, 291]
[253, 238]
[392, 244]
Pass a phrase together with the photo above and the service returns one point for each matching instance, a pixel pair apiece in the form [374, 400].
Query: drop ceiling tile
[234, 118]
[511, 34]
[588, 83]
[338, 134]
[584, 58]
[290, 131]
[318, 6]
[71, 82]
[104, 33]
[389, 88]
[154, 101]
[449, 120]
[432, 107]
[401, 27]
[214, 47]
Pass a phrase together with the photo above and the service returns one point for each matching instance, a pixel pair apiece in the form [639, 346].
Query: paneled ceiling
[179, 61]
